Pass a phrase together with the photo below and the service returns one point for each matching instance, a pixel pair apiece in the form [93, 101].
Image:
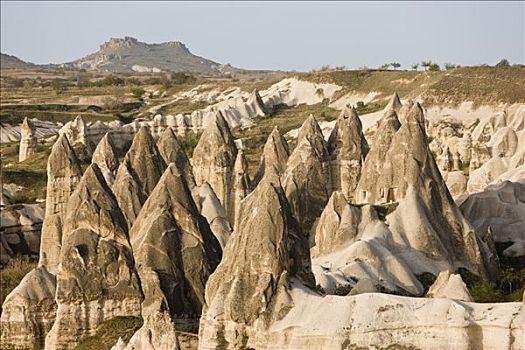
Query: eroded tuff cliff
[214, 160]
[347, 147]
[96, 279]
[138, 174]
[106, 159]
[249, 289]
[307, 181]
[63, 175]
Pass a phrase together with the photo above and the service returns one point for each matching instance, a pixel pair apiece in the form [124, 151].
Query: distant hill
[13, 62]
[127, 54]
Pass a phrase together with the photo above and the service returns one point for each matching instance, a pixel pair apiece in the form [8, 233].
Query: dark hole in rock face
[83, 251]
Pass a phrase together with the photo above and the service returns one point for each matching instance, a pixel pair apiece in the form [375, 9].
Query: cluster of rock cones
[160, 237]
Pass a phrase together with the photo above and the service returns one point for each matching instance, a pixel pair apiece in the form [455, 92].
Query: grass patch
[509, 288]
[30, 174]
[13, 272]
[108, 333]
[286, 118]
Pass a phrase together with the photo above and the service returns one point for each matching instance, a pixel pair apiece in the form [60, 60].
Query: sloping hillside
[130, 55]
[13, 62]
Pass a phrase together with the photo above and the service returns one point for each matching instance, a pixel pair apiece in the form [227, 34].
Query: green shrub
[486, 292]
[137, 92]
[12, 274]
[108, 333]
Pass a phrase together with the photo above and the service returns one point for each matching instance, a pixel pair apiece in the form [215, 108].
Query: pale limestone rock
[241, 183]
[63, 174]
[96, 280]
[106, 159]
[379, 321]
[503, 143]
[172, 152]
[174, 248]
[306, 180]
[29, 310]
[456, 183]
[449, 286]
[371, 170]
[338, 225]
[275, 154]
[501, 209]
[425, 230]
[28, 140]
[211, 208]
[394, 104]
[77, 134]
[444, 160]
[214, 159]
[347, 147]
[364, 285]
[249, 289]
[138, 174]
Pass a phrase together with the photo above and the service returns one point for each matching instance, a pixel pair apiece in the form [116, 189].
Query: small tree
[434, 67]
[503, 63]
[450, 66]
[415, 66]
[385, 66]
[137, 92]
[426, 64]
[396, 65]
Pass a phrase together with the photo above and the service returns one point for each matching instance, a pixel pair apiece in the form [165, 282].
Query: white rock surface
[449, 286]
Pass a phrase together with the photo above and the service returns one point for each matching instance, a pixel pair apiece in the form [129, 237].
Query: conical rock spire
[138, 174]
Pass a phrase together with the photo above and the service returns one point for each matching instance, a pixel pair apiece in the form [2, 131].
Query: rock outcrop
[241, 183]
[211, 208]
[450, 286]
[175, 252]
[500, 209]
[29, 310]
[414, 221]
[174, 248]
[28, 140]
[214, 160]
[20, 230]
[347, 147]
[306, 180]
[96, 280]
[106, 159]
[382, 321]
[275, 154]
[138, 175]
[372, 167]
[337, 226]
[249, 289]
[63, 175]
[411, 169]
[172, 152]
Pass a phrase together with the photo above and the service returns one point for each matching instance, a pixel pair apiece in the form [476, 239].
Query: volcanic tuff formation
[63, 174]
[211, 208]
[28, 140]
[249, 291]
[174, 248]
[306, 180]
[96, 279]
[347, 147]
[214, 161]
[172, 152]
[275, 154]
[138, 174]
[106, 159]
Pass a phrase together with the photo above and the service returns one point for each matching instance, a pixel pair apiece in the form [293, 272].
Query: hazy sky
[275, 35]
